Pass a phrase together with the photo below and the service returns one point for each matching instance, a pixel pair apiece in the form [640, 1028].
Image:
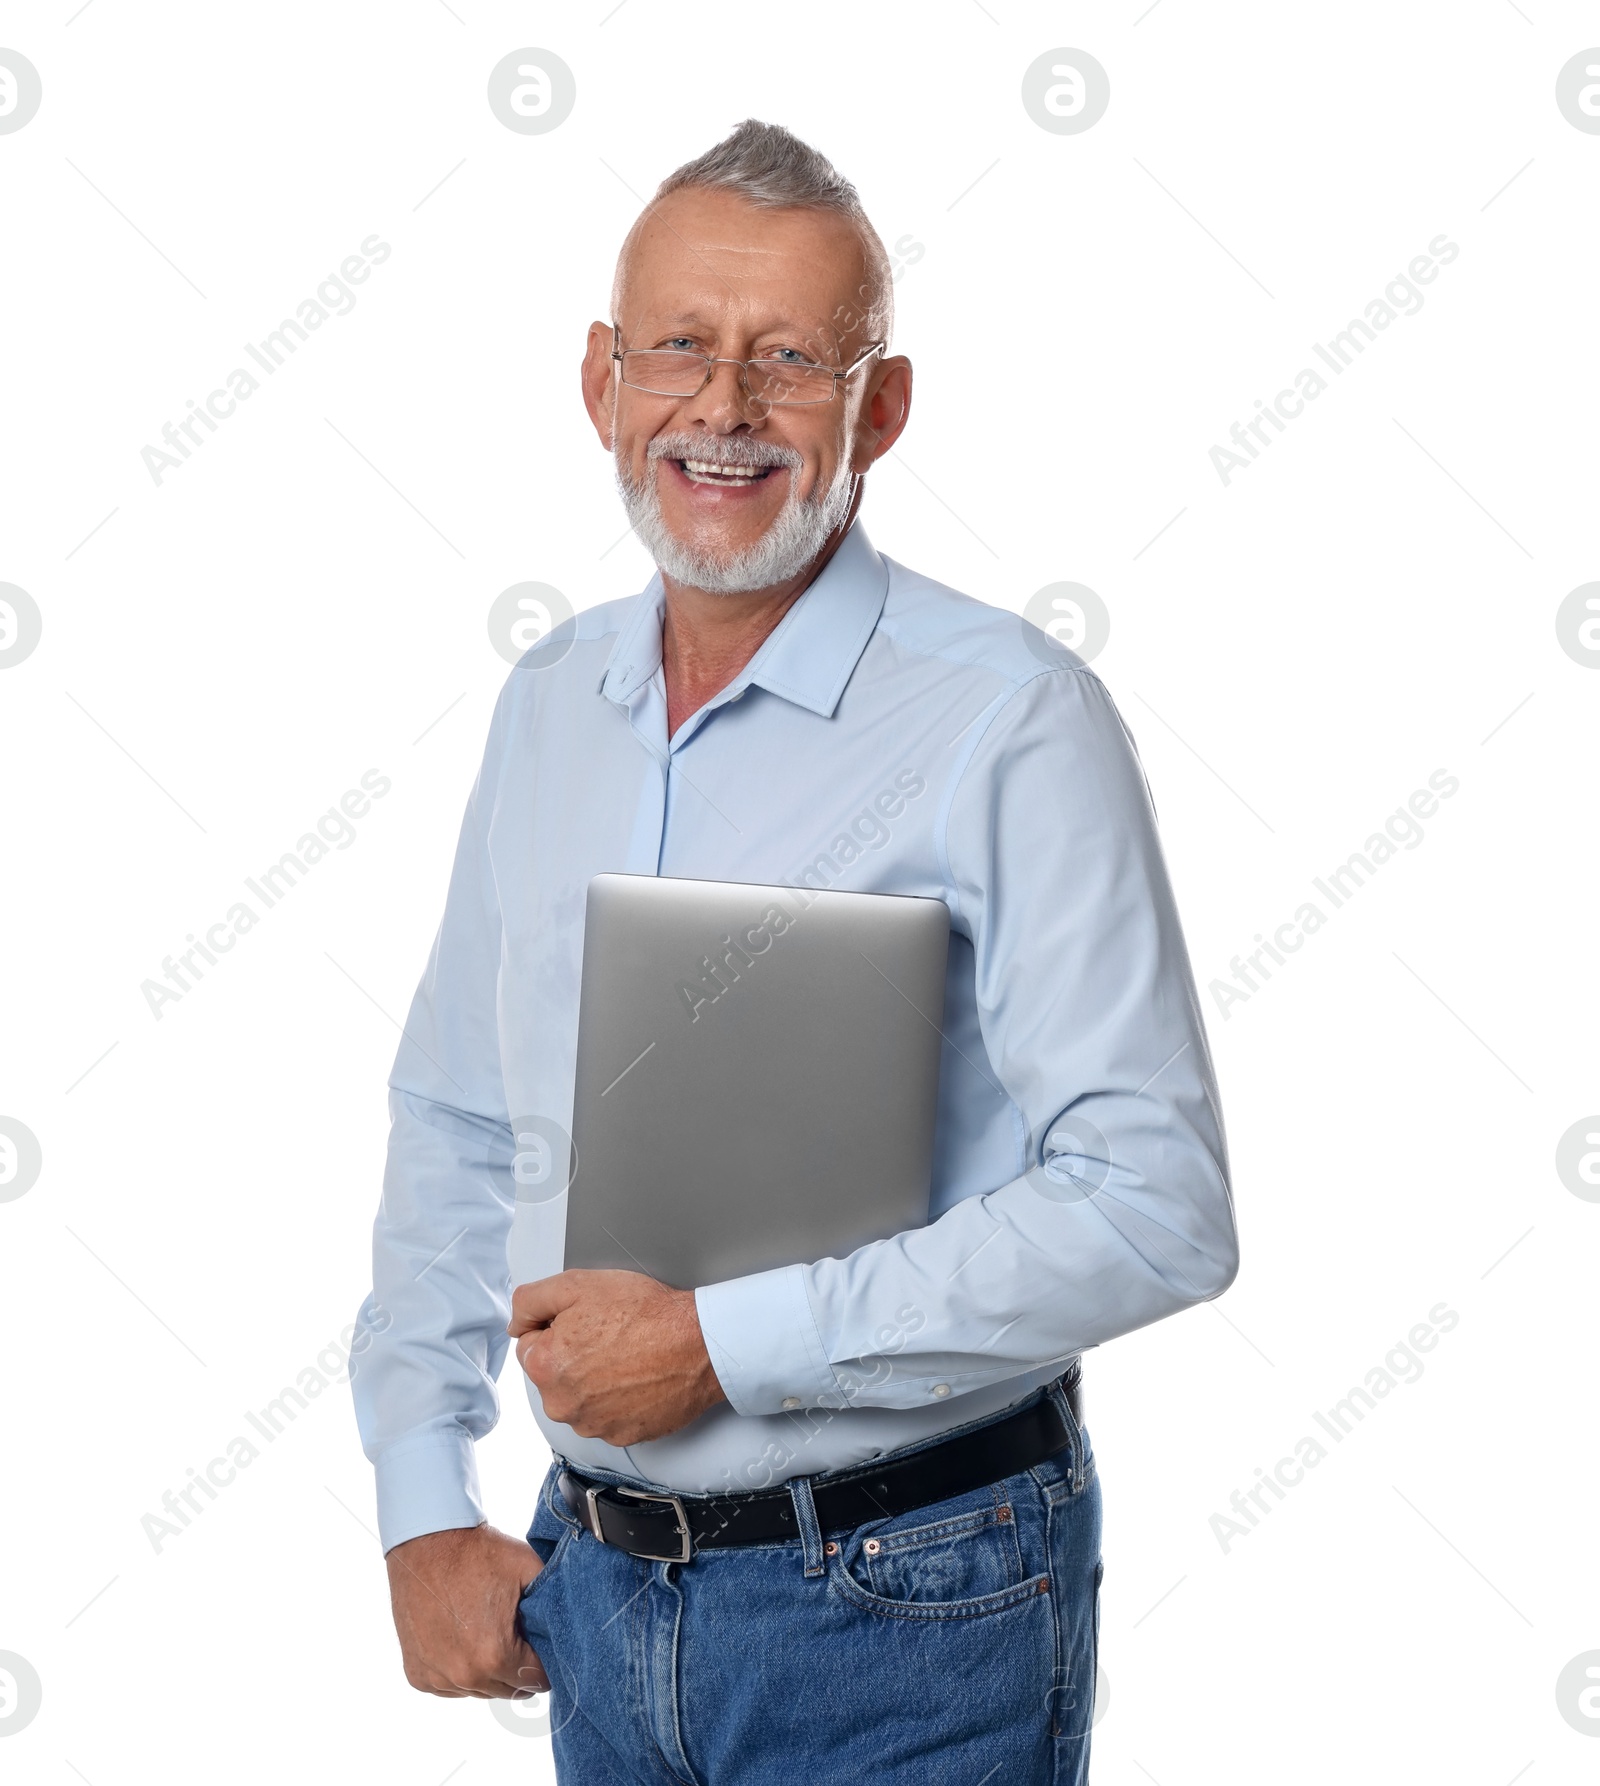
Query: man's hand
[615, 1355]
[455, 1600]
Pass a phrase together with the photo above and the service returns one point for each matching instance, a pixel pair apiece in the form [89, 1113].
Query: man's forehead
[705, 271]
[704, 259]
[699, 240]
[703, 248]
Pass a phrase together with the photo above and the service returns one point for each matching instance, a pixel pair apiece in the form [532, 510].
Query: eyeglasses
[669, 372]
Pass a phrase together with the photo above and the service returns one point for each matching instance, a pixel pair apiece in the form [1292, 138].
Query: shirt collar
[810, 654]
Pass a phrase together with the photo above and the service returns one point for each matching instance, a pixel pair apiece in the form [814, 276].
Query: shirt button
[941, 1389]
[791, 1401]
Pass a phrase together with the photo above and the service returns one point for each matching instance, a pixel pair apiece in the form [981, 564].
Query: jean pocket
[531, 1616]
[550, 1556]
[958, 1559]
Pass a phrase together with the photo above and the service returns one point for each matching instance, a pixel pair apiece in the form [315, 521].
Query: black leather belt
[669, 1528]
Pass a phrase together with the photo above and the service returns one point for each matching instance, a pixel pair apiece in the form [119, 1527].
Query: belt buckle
[643, 1494]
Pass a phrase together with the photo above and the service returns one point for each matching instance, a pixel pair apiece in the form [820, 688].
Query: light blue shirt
[891, 735]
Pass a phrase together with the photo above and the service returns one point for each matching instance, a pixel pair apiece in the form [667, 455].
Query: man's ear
[885, 411]
[599, 386]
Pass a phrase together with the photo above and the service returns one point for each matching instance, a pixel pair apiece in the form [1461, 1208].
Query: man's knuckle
[480, 1670]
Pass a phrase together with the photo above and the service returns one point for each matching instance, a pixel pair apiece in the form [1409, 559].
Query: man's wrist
[763, 1340]
[708, 1386]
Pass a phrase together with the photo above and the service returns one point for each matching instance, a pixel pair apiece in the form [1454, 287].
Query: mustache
[723, 450]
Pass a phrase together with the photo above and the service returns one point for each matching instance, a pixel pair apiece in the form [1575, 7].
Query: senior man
[840, 1520]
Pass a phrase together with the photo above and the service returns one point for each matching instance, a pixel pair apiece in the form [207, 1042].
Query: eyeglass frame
[712, 361]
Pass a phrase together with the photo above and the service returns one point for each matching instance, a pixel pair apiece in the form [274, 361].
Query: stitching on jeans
[958, 1525]
[1004, 1600]
[688, 1778]
[1057, 1726]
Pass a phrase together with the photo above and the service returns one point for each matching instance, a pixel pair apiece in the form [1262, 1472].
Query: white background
[225, 653]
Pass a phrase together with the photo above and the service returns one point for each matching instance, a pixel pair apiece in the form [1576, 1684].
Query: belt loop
[805, 1519]
[1058, 1395]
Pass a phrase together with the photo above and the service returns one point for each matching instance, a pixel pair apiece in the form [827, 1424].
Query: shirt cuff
[430, 1485]
[764, 1343]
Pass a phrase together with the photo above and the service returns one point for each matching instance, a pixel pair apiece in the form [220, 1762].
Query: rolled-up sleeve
[424, 1384]
[1120, 1210]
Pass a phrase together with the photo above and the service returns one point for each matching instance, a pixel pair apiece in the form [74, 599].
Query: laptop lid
[757, 1074]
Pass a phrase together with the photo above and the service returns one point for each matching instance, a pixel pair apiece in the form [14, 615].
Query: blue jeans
[948, 1646]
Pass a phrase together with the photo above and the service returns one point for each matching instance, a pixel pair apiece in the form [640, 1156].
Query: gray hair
[766, 165]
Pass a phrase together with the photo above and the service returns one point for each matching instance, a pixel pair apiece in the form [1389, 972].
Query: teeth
[709, 468]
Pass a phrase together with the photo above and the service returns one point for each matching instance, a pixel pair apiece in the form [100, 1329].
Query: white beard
[797, 534]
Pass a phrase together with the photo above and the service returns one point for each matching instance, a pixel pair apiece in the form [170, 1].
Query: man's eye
[684, 343]
[789, 356]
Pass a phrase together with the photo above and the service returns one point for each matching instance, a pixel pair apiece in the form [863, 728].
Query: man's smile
[714, 474]
[710, 471]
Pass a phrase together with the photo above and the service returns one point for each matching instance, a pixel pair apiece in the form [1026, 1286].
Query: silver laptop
[757, 1075]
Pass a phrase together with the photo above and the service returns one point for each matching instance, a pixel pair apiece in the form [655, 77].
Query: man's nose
[724, 403]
